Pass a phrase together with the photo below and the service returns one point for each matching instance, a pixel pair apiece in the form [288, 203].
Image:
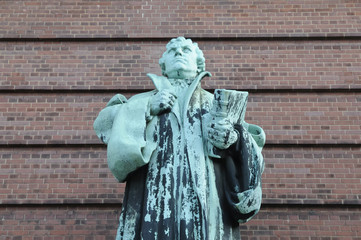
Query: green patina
[171, 137]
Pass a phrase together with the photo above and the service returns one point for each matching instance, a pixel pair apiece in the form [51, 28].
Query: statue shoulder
[104, 121]
[103, 124]
[142, 96]
[117, 99]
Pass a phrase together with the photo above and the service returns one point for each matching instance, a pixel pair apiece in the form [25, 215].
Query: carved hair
[201, 61]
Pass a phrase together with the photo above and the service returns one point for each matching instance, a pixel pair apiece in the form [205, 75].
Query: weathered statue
[192, 164]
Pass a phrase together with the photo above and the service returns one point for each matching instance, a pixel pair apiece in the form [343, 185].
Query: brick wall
[61, 61]
[254, 65]
[157, 18]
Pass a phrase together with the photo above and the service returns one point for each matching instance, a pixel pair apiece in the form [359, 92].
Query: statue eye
[187, 50]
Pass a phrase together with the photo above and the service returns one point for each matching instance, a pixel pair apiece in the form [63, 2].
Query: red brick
[235, 64]
[59, 223]
[292, 175]
[138, 19]
[297, 118]
[35, 181]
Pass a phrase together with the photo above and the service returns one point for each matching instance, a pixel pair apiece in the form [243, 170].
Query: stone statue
[191, 163]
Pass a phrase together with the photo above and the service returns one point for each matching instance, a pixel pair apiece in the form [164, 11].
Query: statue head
[183, 59]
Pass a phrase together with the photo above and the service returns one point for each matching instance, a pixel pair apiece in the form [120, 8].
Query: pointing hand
[162, 102]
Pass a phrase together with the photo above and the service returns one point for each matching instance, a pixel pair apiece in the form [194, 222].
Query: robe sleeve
[238, 174]
[123, 126]
[104, 122]
[249, 201]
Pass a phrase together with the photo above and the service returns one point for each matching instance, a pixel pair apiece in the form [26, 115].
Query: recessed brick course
[308, 175]
[312, 175]
[234, 64]
[301, 223]
[59, 222]
[56, 175]
[102, 222]
[158, 18]
[287, 118]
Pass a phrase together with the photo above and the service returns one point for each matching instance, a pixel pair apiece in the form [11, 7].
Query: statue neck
[181, 74]
[180, 83]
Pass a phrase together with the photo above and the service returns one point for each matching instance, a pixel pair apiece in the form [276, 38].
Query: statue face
[181, 60]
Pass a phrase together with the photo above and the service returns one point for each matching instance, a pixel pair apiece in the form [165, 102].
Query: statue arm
[251, 166]
[239, 174]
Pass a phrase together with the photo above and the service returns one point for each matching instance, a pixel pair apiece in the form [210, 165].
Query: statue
[191, 163]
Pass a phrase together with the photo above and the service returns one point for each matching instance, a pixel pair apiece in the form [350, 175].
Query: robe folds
[174, 189]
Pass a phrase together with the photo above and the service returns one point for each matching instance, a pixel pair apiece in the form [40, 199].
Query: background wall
[61, 61]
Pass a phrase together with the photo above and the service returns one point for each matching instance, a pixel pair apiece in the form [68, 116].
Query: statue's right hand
[162, 102]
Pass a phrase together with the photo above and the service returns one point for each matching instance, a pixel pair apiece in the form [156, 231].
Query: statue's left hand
[222, 133]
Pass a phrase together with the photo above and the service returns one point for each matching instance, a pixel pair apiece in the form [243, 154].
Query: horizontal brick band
[280, 223]
[57, 176]
[270, 223]
[81, 176]
[312, 175]
[158, 18]
[54, 222]
[287, 118]
[236, 65]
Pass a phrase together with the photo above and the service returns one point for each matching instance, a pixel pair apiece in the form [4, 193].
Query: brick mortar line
[123, 91]
[268, 145]
[118, 205]
[60, 145]
[61, 205]
[194, 38]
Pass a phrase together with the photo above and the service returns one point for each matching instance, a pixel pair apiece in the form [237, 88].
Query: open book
[228, 104]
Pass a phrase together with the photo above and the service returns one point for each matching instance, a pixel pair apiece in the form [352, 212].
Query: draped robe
[174, 190]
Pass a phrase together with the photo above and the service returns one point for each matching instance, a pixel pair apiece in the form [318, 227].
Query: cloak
[174, 189]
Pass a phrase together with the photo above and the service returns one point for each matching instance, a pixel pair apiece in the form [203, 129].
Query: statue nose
[178, 52]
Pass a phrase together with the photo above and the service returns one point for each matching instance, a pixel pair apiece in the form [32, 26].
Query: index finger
[224, 121]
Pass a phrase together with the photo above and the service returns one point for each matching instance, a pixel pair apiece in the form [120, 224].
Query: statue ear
[162, 67]
[200, 68]
[200, 65]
